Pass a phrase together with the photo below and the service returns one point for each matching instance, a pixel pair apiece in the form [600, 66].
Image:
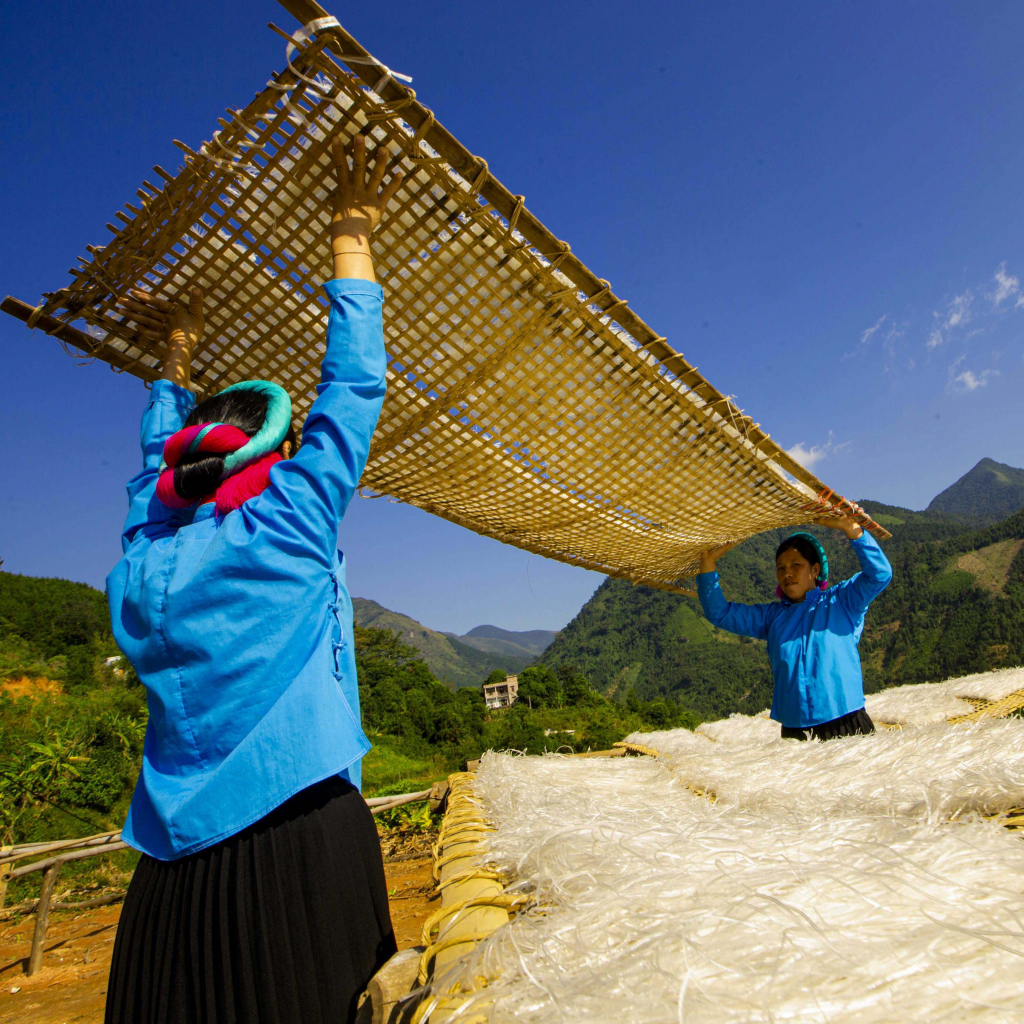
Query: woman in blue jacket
[812, 630]
[261, 892]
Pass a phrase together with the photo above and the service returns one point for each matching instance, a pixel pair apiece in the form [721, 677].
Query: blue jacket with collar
[812, 645]
[240, 626]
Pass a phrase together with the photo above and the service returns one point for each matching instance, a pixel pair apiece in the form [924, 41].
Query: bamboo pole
[45, 865]
[397, 799]
[89, 347]
[8, 854]
[35, 958]
[5, 873]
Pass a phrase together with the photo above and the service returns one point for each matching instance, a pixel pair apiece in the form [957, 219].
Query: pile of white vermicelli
[933, 772]
[852, 880]
[935, 702]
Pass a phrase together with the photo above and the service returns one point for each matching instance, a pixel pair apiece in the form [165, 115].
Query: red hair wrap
[213, 439]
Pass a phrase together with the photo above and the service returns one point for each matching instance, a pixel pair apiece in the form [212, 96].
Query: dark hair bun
[246, 410]
[200, 478]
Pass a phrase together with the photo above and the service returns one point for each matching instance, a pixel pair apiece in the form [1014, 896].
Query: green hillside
[659, 644]
[46, 619]
[956, 605]
[72, 726]
[991, 490]
[508, 650]
[448, 657]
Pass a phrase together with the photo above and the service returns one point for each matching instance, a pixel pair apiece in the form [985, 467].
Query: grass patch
[884, 519]
[990, 566]
[391, 767]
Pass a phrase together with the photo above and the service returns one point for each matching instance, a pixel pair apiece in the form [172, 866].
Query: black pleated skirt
[286, 921]
[854, 724]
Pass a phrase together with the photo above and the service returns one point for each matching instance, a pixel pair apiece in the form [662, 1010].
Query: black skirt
[853, 724]
[286, 921]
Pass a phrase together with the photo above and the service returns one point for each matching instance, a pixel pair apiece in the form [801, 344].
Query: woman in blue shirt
[812, 630]
[261, 892]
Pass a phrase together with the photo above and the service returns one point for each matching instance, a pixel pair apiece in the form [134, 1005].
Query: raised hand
[172, 322]
[847, 524]
[360, 199]
[709, 558]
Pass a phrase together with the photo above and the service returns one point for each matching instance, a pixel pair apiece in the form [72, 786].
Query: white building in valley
[503, 694]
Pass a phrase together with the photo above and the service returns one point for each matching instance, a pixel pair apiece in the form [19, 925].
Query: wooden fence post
[35, 958]
[5, 873]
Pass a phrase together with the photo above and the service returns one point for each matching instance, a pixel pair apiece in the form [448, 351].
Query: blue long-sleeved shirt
[240, 626]
[812, 645]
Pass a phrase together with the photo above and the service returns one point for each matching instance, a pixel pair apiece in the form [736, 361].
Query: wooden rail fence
[54, 855]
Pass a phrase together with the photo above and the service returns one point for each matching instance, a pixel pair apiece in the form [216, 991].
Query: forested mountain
[659, 644]
[448, 657]
[49, 614]
[991, 490]
[956, 605]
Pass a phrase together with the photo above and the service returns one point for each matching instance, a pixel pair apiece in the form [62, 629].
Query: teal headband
[274, 430]
[822, 557]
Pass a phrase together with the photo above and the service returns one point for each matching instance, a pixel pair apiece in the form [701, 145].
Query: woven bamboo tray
[526, 401]
[1008, 705]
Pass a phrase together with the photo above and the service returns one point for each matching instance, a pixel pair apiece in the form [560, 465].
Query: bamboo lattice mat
[1008, 705]
[525, 400]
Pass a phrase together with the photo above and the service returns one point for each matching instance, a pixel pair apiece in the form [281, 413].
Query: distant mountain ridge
[991, 491]
[447, 655]
[529, 643]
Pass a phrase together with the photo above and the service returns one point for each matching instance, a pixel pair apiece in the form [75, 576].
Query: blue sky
[819, 204]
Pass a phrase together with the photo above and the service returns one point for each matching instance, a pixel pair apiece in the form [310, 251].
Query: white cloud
[968, 380]
[885, 330]
[956, 314]
[867, 335]
[808, 457]
[1006, 285]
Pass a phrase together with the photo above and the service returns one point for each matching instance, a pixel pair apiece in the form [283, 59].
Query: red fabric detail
[220, 440]
[245, 484]
[167, 494]
[233, 492]
[177, 444]
[224, 438]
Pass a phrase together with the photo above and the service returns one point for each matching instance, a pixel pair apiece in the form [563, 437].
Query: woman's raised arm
[857, 593]
[309, 493]
[179, 326]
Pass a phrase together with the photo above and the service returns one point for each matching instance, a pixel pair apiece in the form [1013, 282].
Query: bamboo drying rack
[526, 401]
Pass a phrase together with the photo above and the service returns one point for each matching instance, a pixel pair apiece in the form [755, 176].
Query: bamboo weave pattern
[517, 405]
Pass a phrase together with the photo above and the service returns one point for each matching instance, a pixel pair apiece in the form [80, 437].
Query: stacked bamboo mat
[526, 401]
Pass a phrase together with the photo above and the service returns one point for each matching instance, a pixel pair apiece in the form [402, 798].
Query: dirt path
[72, 984]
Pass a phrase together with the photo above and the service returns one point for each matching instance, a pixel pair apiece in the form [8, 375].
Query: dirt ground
[35, 687]
[72, 984]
